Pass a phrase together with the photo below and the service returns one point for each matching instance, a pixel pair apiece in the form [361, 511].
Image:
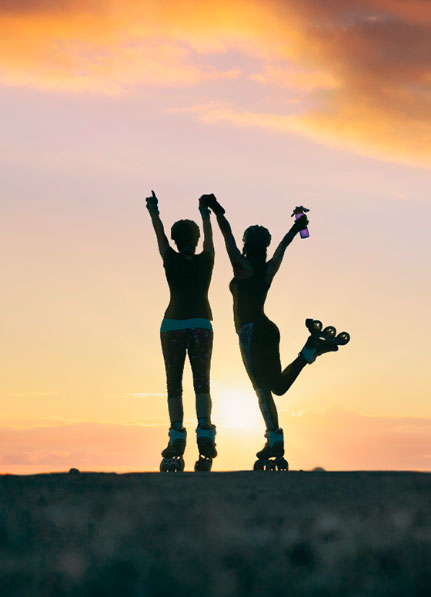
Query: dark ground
[217, 534]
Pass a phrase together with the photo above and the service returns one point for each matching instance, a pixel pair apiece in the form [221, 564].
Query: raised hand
[152, 203]
[211, 202]
[300, 224]
[203, 207]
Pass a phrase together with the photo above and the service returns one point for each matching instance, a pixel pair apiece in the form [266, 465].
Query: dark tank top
[249, 296]
[189, 281]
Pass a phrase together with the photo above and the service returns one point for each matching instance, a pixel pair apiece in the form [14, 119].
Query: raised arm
[274, 264]
[162, 240]
[241, 267]
[206, 224]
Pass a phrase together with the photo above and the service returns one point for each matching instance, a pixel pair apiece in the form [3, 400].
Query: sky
[268, 105]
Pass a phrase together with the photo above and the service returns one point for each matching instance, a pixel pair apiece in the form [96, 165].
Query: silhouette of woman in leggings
[259, 338]
[186, 327]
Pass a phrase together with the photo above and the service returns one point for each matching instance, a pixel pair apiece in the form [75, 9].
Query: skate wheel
[329, 332]
[259, 465]
[343, 338]
[203, 465]
[314, 326]
[282, 464]
[172, 465]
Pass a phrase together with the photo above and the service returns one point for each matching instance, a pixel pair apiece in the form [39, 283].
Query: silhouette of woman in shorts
[259, 337]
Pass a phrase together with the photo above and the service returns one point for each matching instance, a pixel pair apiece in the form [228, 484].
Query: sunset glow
[268, 105]
[236, 408]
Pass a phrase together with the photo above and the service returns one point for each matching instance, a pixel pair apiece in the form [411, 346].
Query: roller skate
[270, 458]
[205, 435]
[322, 340]
[173, 461]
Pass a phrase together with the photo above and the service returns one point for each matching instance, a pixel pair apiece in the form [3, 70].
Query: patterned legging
[197, 342]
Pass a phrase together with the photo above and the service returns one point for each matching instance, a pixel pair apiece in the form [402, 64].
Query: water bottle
[298, 212]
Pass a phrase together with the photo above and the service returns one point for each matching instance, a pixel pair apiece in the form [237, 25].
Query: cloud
[361, 70]
[33, 394]
[335, 439]
[348, 440]
[90, 446]
[214, 112]
[99, 47]
[372, 133]
[145, 395]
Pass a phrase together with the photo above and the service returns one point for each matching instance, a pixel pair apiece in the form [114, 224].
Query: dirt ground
[216, 534]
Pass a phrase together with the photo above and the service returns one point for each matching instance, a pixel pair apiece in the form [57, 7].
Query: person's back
[249, 296]
[189, 280]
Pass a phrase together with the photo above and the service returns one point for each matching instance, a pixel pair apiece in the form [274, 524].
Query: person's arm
[274, 264]
[162, 240]
[240, 265]
[207, 227]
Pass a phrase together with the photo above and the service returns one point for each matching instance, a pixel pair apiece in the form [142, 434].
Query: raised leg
[283, 382]
[266, 363]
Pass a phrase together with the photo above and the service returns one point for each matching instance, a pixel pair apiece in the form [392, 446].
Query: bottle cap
[299, 210]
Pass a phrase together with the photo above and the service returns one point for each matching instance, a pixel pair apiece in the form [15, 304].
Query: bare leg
[250, 355]
[285, 379]
[268, 408]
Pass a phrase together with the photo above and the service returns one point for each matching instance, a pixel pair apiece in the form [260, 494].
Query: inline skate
[205, 435]
[270, 458]
[173, 461]
[322, 340]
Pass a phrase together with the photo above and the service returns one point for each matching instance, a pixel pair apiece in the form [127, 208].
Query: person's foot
[274, 446]
[316, 346]
[205, 435]
[177, 443]
[321, 340]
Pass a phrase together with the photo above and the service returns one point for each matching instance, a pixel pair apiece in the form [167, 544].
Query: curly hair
[185, 232]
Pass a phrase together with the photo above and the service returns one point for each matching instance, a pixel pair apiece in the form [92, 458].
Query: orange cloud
[92, 46]
[363, 69]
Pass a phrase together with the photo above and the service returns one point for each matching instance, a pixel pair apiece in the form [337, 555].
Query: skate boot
[322, 340]
[205, 435]
[270, 458]
[173, 461]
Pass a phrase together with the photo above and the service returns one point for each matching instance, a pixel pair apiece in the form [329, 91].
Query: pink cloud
[335, 439]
